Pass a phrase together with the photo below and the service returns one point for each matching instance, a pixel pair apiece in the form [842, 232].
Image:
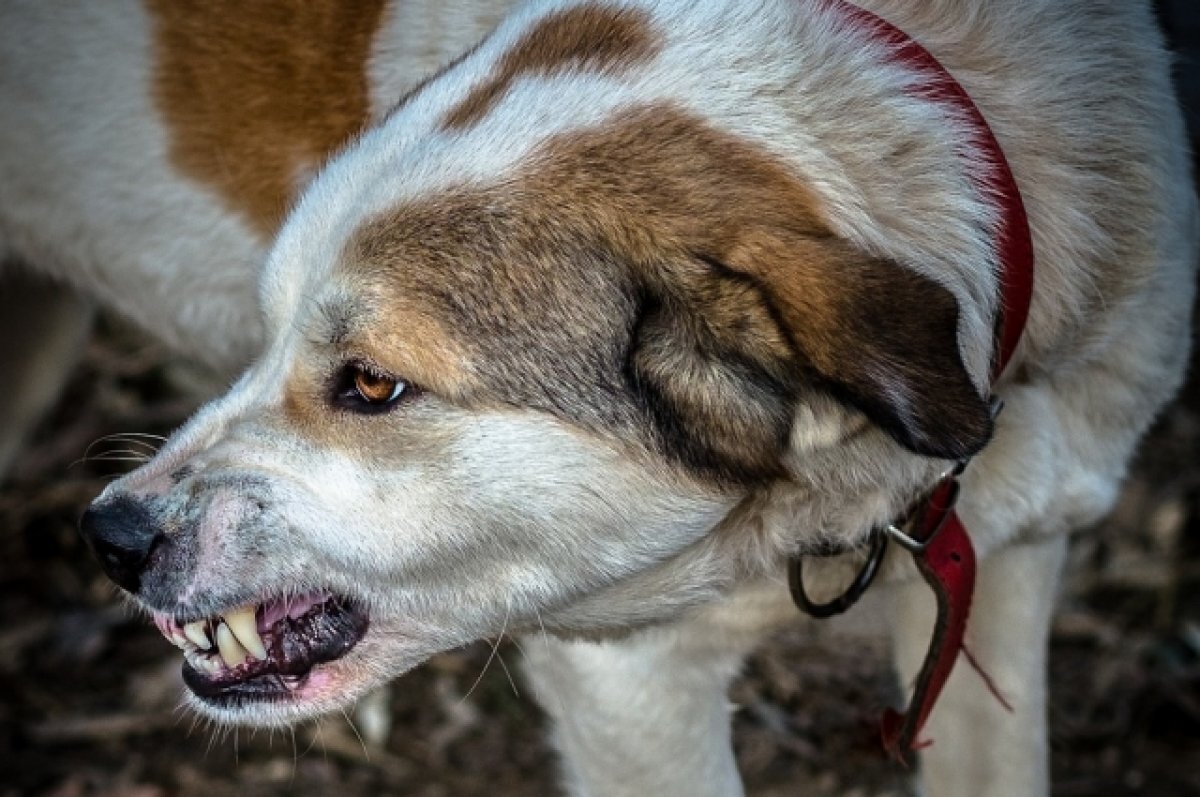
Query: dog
[596, 328]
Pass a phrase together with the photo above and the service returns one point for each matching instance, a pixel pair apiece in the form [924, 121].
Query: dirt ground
[89, 693]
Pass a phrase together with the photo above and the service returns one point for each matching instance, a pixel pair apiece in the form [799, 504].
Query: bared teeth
[232, 652]
[206, 663]
[197, 635]
[244, 627]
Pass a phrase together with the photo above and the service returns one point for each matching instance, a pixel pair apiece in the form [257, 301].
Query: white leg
[42, 331]
[646, 716]
[373, 717]
[980, 748]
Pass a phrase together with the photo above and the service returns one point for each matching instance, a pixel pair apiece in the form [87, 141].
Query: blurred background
[89, 693]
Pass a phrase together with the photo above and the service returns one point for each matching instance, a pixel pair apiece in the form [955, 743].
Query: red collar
[936, 537]
[1014, 246]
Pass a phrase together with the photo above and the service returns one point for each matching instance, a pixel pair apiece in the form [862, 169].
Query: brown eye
[376, 389]
[365, 390]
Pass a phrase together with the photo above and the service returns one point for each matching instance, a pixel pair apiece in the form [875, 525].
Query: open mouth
[264, 651]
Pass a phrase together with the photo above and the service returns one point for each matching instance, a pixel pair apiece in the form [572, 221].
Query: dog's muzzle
[261, 649]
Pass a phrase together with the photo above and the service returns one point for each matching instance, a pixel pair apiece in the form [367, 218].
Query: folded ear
[716, 372]
[882, 337]
[723, 352]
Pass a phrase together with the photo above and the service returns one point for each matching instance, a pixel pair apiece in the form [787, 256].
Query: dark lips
[295, 645]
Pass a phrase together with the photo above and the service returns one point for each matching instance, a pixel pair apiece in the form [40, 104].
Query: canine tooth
[232, 651]
[245, 629]
[195, 632]
[178, 640]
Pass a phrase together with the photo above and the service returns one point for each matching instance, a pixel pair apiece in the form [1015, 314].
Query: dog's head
[541, 344]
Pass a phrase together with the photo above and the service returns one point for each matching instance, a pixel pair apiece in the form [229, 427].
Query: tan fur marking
[590, 38]
[403, 337]
[391, 334]
[659, 181]
[307, 409]
[390, 331]
[256, 96]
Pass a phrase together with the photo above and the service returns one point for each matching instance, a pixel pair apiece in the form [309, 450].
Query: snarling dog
[633, 303]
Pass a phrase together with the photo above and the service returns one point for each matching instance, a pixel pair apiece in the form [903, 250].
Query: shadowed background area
[89, 691]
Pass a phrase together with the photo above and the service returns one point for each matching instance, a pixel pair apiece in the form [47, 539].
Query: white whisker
[492, 655]
[363, 744]
[507, 674]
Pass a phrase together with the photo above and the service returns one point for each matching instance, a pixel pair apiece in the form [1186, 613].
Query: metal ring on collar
[908, 543]
[850, 596]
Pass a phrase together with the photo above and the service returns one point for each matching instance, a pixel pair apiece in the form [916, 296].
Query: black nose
[122, 533]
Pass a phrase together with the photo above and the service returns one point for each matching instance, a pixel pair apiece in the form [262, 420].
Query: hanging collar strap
[932, 532]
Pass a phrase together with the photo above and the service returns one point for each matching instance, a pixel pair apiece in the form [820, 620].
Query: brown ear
[715, 371]
[721, 354]
[883, 338]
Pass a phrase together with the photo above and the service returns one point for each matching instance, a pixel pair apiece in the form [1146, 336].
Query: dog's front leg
[647, 715]
[43, 327]
[979, 747]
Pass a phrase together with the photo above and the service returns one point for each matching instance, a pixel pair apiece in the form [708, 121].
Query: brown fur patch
[659, 274]
[400, 335]
[257, 95]
[658, 183]
[588, 38]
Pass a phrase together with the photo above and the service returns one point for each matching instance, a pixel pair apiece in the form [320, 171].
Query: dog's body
[686, 288]
[149, 151]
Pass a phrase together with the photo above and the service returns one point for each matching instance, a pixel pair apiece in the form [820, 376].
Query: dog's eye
[363, 389]
[377, 389]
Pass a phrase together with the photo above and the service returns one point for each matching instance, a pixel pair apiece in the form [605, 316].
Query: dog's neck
[935, 537]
